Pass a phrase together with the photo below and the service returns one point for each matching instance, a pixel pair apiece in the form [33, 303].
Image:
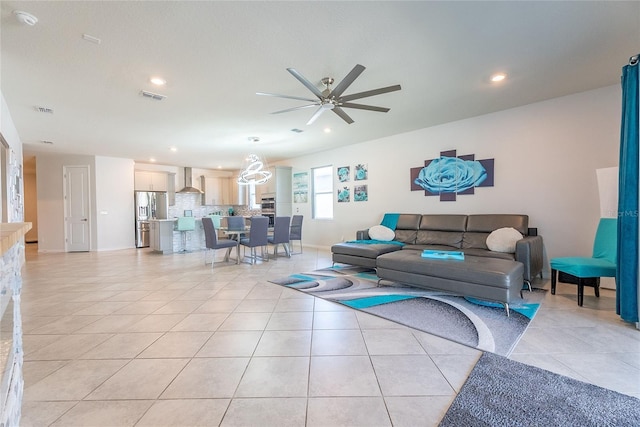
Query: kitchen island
[165, 239]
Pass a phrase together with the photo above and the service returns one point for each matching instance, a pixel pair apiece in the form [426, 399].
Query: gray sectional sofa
[465, 233]
[482, 273]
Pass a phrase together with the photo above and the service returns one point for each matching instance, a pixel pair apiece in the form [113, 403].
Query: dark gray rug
[479, 324]
[502, 392]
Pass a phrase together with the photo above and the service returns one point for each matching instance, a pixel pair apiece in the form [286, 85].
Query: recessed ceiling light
[174, 149]
[25, 18]
[498, 77]
[158, 81]
[327, 130]
[152, 160]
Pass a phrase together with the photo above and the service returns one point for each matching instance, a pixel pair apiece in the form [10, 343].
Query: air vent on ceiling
[155, 96]
[296, 130]
[44, 141]
[44, 109]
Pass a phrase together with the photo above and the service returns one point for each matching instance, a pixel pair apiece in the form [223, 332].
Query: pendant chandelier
[253, 171]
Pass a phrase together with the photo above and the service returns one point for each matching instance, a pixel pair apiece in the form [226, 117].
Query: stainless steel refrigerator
[148, 205]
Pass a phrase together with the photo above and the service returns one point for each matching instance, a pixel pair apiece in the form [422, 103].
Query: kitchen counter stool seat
[184, 225]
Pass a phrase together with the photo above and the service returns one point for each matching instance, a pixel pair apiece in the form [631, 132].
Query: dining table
[235, 233]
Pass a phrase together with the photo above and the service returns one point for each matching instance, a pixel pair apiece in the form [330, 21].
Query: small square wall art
[344, 173]
[361, 172]
[344, 195]
[360, 193]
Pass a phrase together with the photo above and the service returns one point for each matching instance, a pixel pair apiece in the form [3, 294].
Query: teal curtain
[627, 271]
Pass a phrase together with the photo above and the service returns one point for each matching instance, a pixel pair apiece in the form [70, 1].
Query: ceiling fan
[332, 99]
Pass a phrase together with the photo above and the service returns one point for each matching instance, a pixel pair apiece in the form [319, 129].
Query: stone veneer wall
[12, 380]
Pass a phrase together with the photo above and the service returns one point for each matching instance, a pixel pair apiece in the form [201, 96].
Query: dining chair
[235, 223]
[296, 232]
[213, 243]
[587, 271]
[280, 235]
[257, 237]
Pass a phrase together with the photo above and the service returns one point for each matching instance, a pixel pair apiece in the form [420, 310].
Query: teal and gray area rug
[471, 322]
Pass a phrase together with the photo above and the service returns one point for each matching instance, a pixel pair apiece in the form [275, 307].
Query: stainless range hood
[188, 186]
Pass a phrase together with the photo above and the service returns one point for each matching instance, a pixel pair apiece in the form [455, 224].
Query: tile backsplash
[192, 202]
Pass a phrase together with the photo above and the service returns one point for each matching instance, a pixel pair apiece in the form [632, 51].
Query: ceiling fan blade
[369, 93]
[344, 116]
[346, 82]
[305, 82]
[295, 108]
[364, 107]
[317, 114]
[286, 96]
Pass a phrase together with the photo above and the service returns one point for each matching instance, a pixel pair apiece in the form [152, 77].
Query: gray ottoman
[489, 279]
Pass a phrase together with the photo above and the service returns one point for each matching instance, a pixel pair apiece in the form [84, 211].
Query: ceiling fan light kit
[332, 99]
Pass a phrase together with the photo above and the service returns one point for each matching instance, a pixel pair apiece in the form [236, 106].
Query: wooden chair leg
[597, 288]
[553, 281]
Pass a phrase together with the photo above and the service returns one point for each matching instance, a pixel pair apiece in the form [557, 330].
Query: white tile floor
[128, 338]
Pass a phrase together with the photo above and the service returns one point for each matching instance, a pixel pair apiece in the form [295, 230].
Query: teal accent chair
[585, 271]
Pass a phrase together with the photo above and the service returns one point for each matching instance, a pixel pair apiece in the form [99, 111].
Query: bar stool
[185, 224]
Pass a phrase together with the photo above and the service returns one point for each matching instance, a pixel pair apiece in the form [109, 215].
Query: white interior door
[76, 208]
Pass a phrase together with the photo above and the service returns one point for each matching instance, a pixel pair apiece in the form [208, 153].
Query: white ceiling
[215, 56]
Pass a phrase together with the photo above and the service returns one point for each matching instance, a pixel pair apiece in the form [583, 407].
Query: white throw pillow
[380, 232]
[503, 240]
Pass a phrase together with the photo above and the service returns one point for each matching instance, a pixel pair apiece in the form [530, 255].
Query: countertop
[11, 233]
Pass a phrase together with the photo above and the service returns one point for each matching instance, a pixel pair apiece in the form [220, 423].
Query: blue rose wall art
[344, 194]
[360, 193]
[343, 173]
[450, 175]
[360, 173]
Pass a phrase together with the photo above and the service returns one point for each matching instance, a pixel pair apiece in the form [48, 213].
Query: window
[322, 187]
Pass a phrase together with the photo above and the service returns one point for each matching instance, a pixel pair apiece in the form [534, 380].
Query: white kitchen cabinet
[171, 188]
[212, 191]
[161, 236]
[218, 191]
[278, 187]
[150, 181]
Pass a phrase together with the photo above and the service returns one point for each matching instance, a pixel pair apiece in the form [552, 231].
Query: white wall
[15, 212]
[49, 171]
[111, 191]
[115, 223]
[546, 155]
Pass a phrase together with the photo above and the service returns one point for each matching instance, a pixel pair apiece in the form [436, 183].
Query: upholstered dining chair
[280, 235]
[585, 271]
[295, 232]
[213, 243]
[257, 237]
[235, 222]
